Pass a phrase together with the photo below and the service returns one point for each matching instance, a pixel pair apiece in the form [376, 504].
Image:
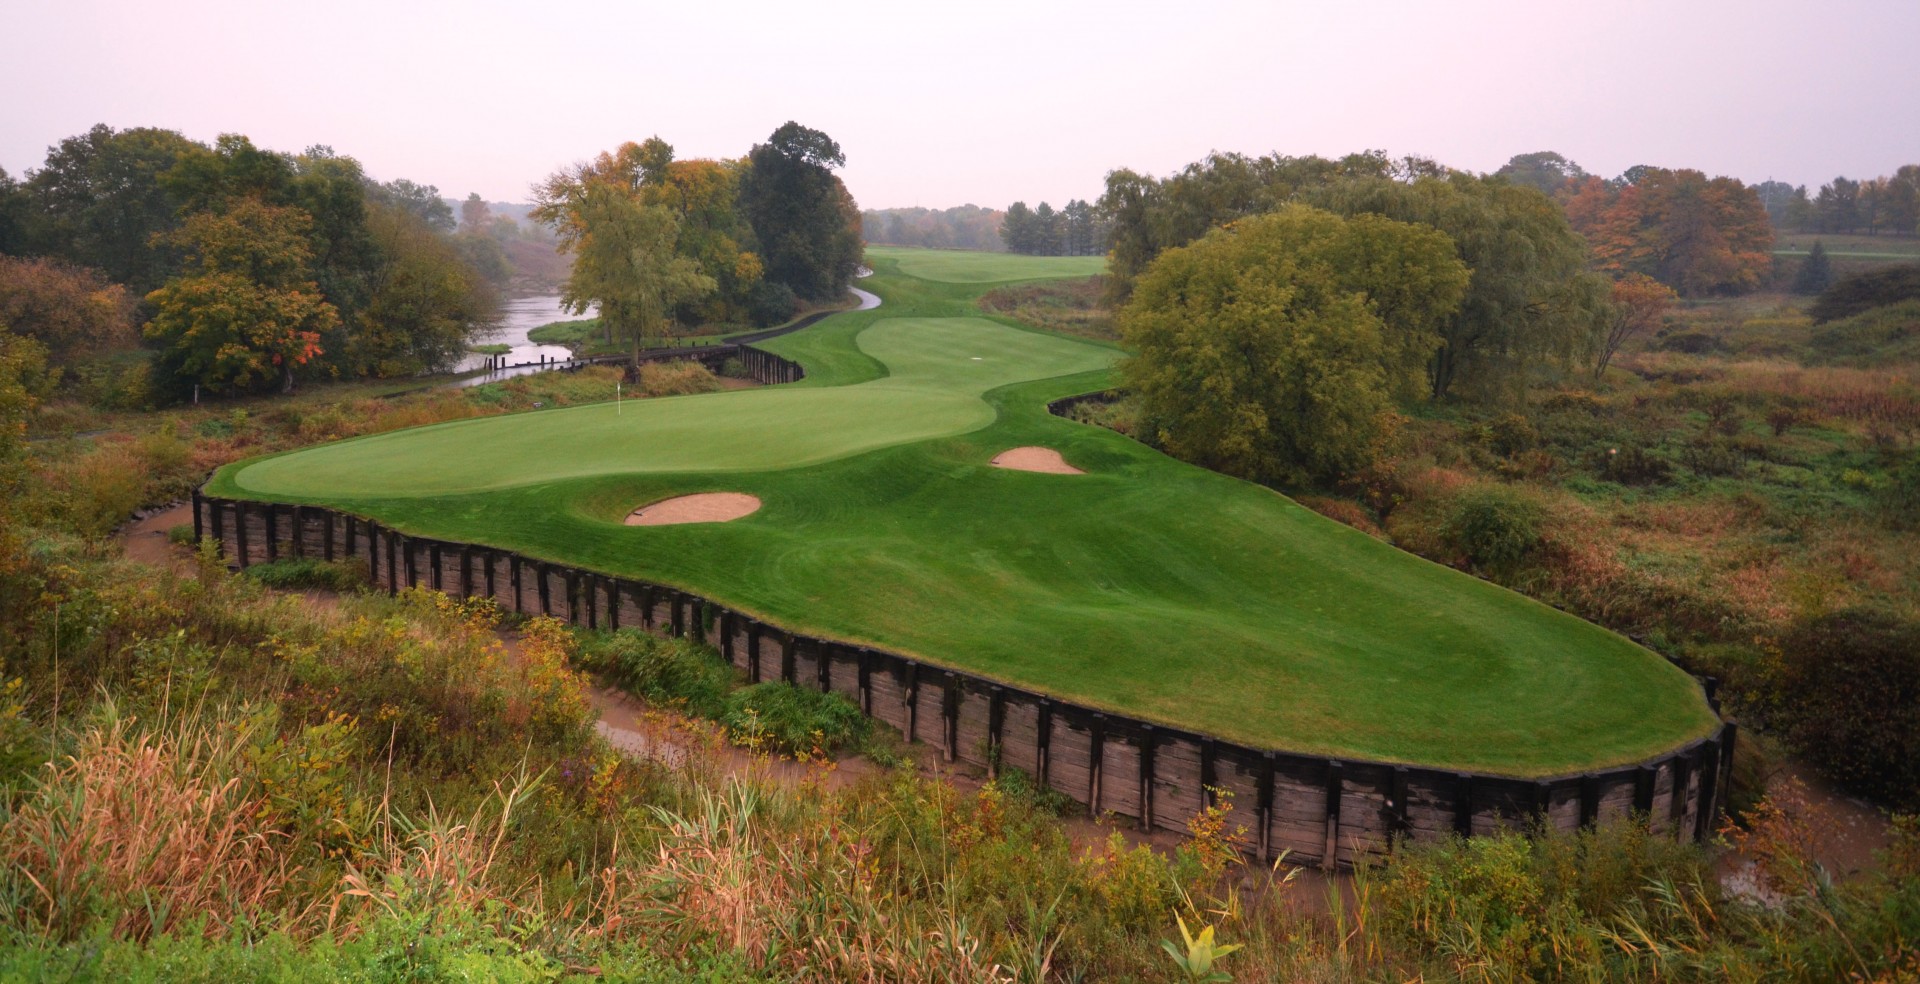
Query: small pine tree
[1816, 271]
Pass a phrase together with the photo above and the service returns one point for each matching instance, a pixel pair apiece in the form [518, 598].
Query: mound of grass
[1881, 336]
[673, 672]
[306, 572]
[781, 717]
[1146, 587]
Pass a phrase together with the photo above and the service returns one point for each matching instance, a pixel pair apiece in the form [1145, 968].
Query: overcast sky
[984, 102]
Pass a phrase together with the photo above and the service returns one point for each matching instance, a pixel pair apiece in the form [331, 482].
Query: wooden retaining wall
[1321, 810]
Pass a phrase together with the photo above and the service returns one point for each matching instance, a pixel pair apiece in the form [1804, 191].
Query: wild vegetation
[244, 269]
[209, 780]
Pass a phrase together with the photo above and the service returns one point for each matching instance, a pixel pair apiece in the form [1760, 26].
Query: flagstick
[616, 398]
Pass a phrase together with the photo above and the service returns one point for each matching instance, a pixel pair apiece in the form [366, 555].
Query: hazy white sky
[981, 102]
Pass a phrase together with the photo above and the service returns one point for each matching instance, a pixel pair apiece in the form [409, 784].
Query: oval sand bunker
[1035, 459]
[705, 507]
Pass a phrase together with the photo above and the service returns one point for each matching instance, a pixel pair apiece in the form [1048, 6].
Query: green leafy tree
[1815, 273]
[1544, 171]
[23, 383]
[1146, 216]
[626, 263]
[100, 201]
[806, 222]
[1532, 300]
[425, 300]
[423, 201]
[1273, 348]
[246, 315]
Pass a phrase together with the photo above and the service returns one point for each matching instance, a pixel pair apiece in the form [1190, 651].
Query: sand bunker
[1035, 460]
[706, 507]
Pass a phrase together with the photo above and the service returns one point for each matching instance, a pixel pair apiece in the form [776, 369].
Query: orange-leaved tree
[246, 313]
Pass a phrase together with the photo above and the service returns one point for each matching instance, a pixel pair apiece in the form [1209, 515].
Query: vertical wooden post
[487, 555]
[1148, 738]
[679, 619]
[1677, 808]
[950, 717]
[1644, 778]
[1043, 741]
[613, 610]
[546, 587]
[1330, 850]
[1542, 801]
[299, 531]
[1263, 808]
[787, 672]
[240, 532]
[1397, 793]
[393, 562]
[1096, 750]
[216, 514]
[326, 520]
[513, 581]
[1709, 782]
[996, 721]
[1729, 734]
[1209, 771]
[273, 532]
[197, 503]
[913, 700]
[1589, 799]
[866, 680]
[754, 636]
[347, 536]
[1463, 804]
[433, 558]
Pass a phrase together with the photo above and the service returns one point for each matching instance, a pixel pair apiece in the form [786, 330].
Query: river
[519, 315]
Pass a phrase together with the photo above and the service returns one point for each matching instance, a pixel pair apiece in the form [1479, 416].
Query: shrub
[1847, 694]
[664, 671]
[1510, 435]
[784, 718]
[771, 303]
[180, 535]
[1899, 496]
[1494, 528]
[1863, 291]
[676, 379]
[1631, 464]
[307, 572]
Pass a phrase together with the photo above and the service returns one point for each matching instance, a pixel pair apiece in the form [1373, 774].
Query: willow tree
[626, 262]
[1275, 348]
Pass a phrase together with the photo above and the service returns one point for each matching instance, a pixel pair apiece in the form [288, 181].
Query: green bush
[180, 535]
[1847, 694]
[1899, 496]
[306, 572]
[1494, 528]
[664, 671]
[792, 720]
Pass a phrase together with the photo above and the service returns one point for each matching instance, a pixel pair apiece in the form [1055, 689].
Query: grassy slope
[1148, 586]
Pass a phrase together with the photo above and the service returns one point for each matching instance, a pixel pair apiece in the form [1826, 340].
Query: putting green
[1146, 586]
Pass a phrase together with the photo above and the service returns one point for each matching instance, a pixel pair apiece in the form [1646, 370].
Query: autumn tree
[626, 263]
[74, 313]
[246, 314]
[1531, 301]
[1638, 302]
[1274, 348]
[1696, 234]
[475, 214]
[806, 222]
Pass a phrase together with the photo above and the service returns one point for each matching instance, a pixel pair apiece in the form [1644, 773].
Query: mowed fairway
[1145, 586]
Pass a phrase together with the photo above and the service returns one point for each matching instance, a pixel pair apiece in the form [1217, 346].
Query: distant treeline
[1077, 230]
[961, 227]
[245, 268]
[1887, 204]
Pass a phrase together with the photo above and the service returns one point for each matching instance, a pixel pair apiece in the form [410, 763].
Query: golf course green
[1146, 586]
